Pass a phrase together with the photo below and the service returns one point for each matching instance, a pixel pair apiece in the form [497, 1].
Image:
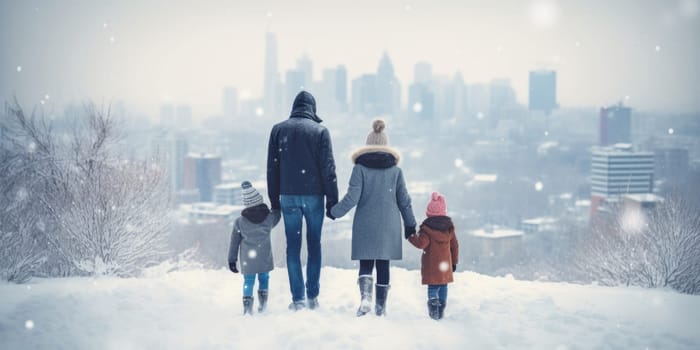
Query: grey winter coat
[251, 231]
[378, 189]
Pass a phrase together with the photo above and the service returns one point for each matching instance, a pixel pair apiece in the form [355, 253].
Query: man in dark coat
[300, 172]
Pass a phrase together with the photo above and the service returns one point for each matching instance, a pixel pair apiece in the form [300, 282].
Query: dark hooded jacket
[300, 156]
[438, 240]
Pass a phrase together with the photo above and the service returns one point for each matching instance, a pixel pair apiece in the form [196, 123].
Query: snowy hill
[201, 309]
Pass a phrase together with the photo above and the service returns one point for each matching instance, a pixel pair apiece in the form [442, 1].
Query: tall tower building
[305, 66]
[543, 91]
[364, 95]
[619, 170]
[202, 172]
[388, 88]
[422, 73]
[271, 80]
[615, 125]
[294, 82]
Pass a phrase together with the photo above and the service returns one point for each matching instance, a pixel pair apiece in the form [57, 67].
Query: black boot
[434, 309]
[365, 284]
[262, 300]
[381, 291]
[441, 309]
[248, 305]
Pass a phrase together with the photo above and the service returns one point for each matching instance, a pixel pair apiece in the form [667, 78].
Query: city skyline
[603, 53]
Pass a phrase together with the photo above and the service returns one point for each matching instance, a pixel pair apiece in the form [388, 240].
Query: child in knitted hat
[251, 232]
[438, 240]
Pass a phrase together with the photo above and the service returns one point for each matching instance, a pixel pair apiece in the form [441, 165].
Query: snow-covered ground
[201, 309]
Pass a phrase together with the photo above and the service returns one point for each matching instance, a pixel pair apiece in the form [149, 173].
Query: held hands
[232, 267]
[409, 231]
[329, 215]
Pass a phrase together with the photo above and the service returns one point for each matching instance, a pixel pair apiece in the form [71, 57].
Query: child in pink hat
[438, 240]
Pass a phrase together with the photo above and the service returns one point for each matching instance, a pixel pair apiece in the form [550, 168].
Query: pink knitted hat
[437, 205]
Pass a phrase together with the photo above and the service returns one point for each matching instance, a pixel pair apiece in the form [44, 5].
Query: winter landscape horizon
[146, 146]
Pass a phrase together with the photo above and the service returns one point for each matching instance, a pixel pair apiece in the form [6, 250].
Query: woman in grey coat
[378, 189]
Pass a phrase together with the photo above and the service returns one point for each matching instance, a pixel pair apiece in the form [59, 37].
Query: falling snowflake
[408, 8]
[546, 133]
[22, 194]
[42, 102]
[46, 97]
[104, 25]
[252, 253]
[459, 162]
[303, 171]
[31, 147]
[259, 111]
[29, 324]
[480, 115]
[417, 107]
[499, 48]
[538, 186]
[670, 131]
[444, 266]
[269, 14]
[19, 68]
[111, 39]
[657, 48]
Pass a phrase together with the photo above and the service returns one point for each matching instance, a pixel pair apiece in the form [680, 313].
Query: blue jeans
[249, 283]
[437, 291]
[310, 208]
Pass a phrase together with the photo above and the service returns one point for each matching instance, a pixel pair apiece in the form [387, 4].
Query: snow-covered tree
[652, 248]
[102, 213]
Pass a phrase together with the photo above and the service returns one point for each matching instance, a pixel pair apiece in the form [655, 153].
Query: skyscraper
[501, 99]
[619, 170]
[271, 79]
[202, 172]
[294, 82]
[543, 91]
[615, 125]
[422, 73]
[364, 95]
[388, 88]
[341, 88]
[332, 92]
[183, 116]
[305, 66]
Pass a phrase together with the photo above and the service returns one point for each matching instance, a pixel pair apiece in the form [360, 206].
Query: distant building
[543, 91]
[388, 88]
[615, 125]
[202, 172]
[183, 116]
[167, 115]
[501, 100]
[422, 73]
[305, 66]
[619, 170]
[294, 83]
[170, 152]
[495, 247]
[421, 101]
[364, 95]
[333, 91]
[670, 163]
[211, 212]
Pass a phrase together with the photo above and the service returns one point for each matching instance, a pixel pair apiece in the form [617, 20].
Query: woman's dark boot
[380, 292]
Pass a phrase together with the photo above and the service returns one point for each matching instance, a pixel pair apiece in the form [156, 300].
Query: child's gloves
[454, 267]
[232, 267]
[409, 231]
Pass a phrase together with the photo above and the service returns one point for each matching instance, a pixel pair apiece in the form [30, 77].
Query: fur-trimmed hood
[375, 149]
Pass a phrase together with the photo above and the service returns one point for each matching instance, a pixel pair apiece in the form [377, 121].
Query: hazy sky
[149, 52]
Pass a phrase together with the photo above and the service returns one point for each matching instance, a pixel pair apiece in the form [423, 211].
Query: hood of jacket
[256, 214]
[304, 106]
[378, 157]
[440, 228]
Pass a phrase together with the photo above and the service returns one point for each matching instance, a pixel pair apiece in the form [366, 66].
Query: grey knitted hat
[251, 197]
[377, 136]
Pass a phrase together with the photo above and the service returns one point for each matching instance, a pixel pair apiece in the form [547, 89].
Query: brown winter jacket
[440, 249]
